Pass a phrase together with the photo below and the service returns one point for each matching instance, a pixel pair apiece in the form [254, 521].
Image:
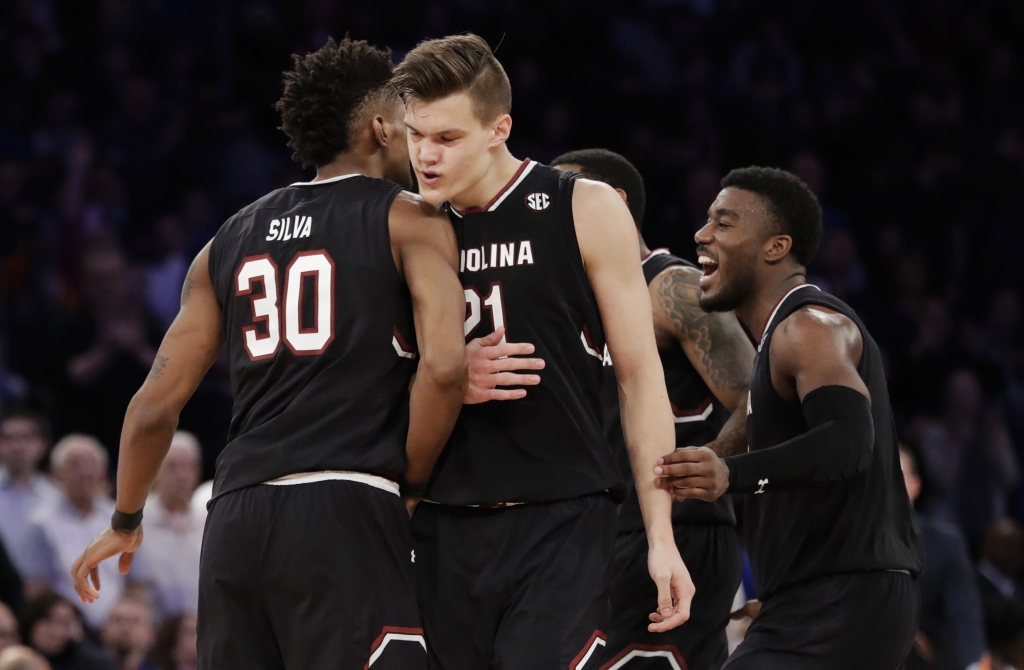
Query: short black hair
[792, 205]
[613, 169]
[323, 94]
[27, 414]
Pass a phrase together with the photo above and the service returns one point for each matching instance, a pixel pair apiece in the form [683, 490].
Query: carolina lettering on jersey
[699, 416]
[521, 268]
[318, 325]
[854, 525]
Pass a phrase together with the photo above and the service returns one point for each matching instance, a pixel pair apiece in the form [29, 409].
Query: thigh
[711, 552]
[234, 630]
[558, 613]
[834, 623]
[454, 552]
[337, 576]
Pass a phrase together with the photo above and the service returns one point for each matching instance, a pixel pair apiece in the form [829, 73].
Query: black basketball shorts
[518, 588]
[859, 621]
[712, 555]
[311, 576]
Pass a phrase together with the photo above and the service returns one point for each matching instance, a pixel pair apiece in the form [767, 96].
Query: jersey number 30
[303, 340]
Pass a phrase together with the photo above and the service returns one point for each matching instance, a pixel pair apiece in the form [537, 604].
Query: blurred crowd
[130, 130]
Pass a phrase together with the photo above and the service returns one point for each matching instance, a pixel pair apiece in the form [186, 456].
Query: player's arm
[609, 246]
[715, 345]
[814, 358]
[427, 256]
[188, 350]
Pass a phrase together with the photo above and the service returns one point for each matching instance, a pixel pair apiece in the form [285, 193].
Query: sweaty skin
[812, 348]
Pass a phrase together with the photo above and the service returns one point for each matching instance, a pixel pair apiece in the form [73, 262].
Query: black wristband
[413, 490]
[125, 522]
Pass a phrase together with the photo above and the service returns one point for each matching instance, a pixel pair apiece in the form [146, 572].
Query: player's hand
[693, 472]
[491, 366]
[675, 588]
[107, 544]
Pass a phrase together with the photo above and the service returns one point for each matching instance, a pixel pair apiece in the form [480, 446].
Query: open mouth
[430, 178]
[709, 265]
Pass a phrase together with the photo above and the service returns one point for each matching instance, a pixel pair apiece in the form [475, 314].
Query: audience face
[104, 278]
[1004, 547]
[129, 628]
[178, 477]
[186, 653]
[963, 396]
[22, 446]
[82, 474]
[8, 628]
[22, 658]
[61, 627]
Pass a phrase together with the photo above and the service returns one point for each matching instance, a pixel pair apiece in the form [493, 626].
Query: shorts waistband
[336, 475]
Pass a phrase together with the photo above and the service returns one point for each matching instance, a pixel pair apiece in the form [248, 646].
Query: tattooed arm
[185, 355]
[713, 342]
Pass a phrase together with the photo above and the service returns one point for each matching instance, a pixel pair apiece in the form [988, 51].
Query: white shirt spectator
[170, 558]
[56, 537]
[18, 502]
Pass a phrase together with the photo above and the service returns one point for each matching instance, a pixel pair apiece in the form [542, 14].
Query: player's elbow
[844, 416]
[446, 366]
[148, 413]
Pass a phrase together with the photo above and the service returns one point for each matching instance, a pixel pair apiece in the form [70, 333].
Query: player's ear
[502, 128]
[622, 194]
[777, 247]
[382, 130]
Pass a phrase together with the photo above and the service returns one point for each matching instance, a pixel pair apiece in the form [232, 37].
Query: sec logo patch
[538, 202]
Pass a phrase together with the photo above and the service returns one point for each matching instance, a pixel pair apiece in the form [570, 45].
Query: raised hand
[491, 365]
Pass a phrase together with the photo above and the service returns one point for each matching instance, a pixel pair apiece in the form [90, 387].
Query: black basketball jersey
[698, 414]
[521, 268]
[860, 524]
[316, 319]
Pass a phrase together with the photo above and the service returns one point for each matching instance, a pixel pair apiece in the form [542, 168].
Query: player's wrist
[125, 522]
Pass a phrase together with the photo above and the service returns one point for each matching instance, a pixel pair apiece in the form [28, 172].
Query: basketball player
[319, 289]
[515, 536]
[707, 360]
[832, 540]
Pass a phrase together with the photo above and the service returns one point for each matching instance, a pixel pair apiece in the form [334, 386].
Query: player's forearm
[649, 432]
[434, 404]
[732, 439]
[148, 428]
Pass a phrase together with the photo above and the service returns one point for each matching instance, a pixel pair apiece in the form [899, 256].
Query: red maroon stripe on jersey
[497, 196]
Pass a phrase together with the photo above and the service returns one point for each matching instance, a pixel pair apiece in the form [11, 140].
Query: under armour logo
[413, 555]
[761, 483]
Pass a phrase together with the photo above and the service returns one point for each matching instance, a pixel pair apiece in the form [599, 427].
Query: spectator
[1002, 558]
[175, 647]
[165, 278]
[1004, 627]
[951, 631]
[52, 626]
[174, 530]
[968, 459]
[24, 438]
[128, 634]
[22, 658]
[12, 590]
[60, 531]
[9, 636]
[107, 348]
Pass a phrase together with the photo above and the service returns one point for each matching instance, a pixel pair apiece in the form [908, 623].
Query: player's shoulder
[414, 219]
[812, 329]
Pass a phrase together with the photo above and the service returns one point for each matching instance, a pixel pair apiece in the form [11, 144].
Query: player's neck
[502, 169]
[645, 250]
[755, 312]
[351, 163]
